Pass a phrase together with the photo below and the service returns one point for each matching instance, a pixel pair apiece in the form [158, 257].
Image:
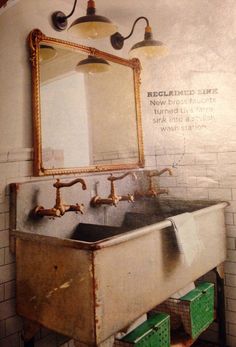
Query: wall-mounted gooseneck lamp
[146, 48]
[89, 26]
[94, 26]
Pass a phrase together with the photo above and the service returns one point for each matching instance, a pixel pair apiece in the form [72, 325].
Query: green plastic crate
[199, 304]
[194, 310]
[154, 332]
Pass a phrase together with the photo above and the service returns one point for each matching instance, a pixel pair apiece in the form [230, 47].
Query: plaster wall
[189, 116]
[201, 38]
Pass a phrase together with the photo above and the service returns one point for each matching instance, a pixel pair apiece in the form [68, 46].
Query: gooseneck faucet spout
[59, 203]
[113, 198]
[60, 208]
[152, 191]
[59, 184]
[113, 195]
[159, 173]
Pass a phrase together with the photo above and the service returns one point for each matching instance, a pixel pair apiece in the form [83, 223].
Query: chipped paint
[62, 286]
[32, 299]
[49, 294]
[66, 284]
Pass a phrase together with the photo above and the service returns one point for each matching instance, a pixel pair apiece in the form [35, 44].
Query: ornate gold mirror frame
[35, 38]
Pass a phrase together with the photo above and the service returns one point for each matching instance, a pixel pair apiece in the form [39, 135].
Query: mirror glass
[89, 121]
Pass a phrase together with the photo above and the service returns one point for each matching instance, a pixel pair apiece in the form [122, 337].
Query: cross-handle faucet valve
[152, 191]
[60, 208]
[151, 188]
[113, 198]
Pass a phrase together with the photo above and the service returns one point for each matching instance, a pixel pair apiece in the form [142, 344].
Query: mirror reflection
[89, 110]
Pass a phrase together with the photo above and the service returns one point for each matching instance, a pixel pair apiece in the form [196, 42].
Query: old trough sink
[95, 283]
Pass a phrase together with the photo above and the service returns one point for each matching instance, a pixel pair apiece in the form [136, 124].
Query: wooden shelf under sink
[181, 339]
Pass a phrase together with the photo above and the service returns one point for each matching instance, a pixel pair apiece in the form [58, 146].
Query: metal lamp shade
[148, 48]
[93, 65]
[47, 53]
[93, 27]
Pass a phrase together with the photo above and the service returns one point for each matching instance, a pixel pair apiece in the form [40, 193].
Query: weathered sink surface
[93, 285]
[156, 212]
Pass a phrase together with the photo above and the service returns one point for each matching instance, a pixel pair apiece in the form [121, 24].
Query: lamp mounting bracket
[59, 19]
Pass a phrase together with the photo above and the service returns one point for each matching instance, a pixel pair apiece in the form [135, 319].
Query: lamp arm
[72, 11]
[135, 22]
[117, 40]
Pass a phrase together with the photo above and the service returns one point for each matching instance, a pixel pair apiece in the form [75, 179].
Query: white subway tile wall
[210, 176]
[15, 166]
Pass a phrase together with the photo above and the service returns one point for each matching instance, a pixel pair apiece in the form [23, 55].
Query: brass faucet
[60, 208]
[113, 198]
[152, 192]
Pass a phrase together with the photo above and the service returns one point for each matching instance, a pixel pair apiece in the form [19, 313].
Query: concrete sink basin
[102, 278]
[87, 232]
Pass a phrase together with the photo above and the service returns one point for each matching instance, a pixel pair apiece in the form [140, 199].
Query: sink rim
[110, 241]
